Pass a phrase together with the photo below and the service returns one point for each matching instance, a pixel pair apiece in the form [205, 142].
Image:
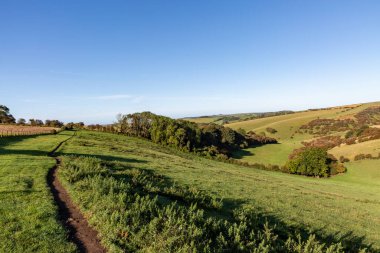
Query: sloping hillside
[290, 137]
[287, 199]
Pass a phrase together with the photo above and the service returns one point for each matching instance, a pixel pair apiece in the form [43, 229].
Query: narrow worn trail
[76, 224]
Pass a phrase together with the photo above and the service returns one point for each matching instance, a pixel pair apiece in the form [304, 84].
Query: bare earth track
[77, 226]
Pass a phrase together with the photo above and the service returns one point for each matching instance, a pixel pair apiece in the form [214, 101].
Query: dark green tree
[310, 162]
[5, 116]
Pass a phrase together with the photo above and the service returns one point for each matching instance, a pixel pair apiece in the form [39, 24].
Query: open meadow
[190, 126]
[350, 203]
[290, 138]
[28, 214]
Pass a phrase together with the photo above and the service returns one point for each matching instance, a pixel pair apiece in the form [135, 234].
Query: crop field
[12, 130]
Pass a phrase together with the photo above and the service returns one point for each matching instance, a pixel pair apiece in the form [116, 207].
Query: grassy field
[203, 119]
[349, 151]
[345, 207]
[28, 216]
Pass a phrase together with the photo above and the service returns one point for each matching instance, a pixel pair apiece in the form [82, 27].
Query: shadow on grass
[4, 141]
[349, 241]
[23, 152]
[45, 153]
[244, 152]
[105, 157]
[241, 154]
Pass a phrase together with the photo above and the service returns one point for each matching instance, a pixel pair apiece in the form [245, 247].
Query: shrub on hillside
[259, 139]
[271, 130]
[366, 156]
[343, 159]
[326, 142]
[313, 161]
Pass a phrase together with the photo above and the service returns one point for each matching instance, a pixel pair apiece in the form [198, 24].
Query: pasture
[28, 215]
[289, 139]
[342, 208]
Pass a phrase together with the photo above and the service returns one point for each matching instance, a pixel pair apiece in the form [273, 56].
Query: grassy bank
[28, 217]
[341, 209]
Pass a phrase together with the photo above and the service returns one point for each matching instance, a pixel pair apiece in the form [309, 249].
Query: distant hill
[323, 126]
[222, 119]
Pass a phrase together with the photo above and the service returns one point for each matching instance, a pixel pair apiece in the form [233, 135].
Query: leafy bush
[343, 159]
[271, 130]
[311, 161]
[366, 156]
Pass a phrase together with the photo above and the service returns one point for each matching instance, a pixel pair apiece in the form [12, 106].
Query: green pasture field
[345, 207]
[28, 216]
[289, 139]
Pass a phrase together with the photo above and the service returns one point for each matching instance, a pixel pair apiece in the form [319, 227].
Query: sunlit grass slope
[349, 151]
[344, 205]
[28, 216]
[287, 126]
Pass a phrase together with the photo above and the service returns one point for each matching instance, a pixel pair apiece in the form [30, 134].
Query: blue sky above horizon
[89, 60]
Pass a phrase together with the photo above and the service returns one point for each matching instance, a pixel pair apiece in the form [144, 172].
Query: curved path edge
[79, 231]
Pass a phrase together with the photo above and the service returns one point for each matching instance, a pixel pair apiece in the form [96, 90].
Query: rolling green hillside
[289, 138]
[342, 209]
[28, 215]
[344, 205]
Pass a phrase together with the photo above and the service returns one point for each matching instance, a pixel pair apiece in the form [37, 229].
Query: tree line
[207, 139]
[7, 118]
[210, 139]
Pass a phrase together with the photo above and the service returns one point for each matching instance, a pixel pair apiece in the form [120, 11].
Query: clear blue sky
[89, 60]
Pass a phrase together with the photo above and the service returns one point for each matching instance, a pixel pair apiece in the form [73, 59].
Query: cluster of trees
[103, 128]
[208, 139]
[313, 161]
[254, 139]
[5, 116]
[38, 122]
[72, 125]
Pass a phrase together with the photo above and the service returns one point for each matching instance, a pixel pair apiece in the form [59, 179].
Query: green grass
[276, 154]
[368, 147]
[202, 119]
[28, 216]
[346, 205]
